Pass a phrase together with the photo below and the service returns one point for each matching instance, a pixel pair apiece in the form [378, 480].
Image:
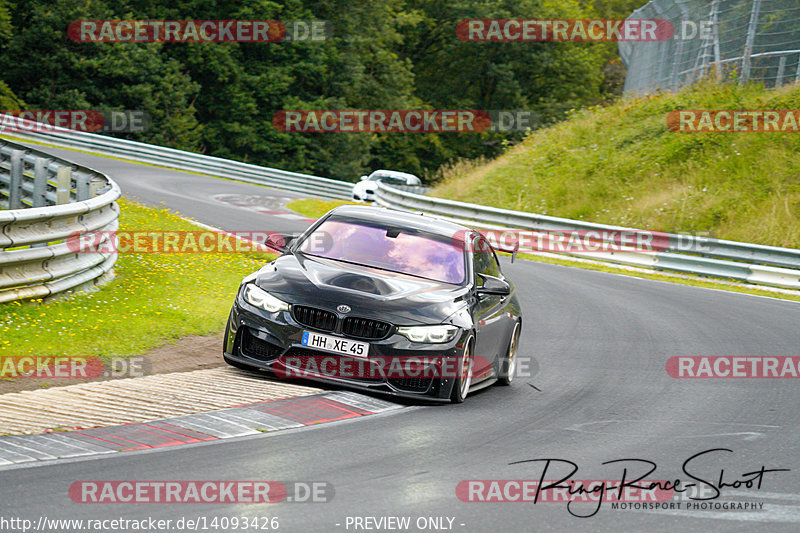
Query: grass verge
[315, 208]
[621, 165]
[153, 299]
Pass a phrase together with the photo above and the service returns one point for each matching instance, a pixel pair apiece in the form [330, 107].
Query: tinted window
[415, 253]
[389, 177]
[485, 261]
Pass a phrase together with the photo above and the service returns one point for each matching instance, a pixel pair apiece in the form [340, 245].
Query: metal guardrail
[48, 200]
[751, 263]
[181, 160]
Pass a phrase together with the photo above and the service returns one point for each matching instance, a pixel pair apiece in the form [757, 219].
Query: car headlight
[263, 300]
[429, 334]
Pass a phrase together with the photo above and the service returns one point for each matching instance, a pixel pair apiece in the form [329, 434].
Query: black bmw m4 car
[392, 302]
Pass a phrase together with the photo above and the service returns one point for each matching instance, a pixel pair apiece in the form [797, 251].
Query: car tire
[464, 377]
[508, 366]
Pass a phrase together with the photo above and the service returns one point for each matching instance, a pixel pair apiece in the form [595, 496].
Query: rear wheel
[508, 366]
[464, 378]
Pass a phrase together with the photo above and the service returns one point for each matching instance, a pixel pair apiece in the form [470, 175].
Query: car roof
[416, 221]
[397, 173]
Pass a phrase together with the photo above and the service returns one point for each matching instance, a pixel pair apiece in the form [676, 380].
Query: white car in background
[365, 189]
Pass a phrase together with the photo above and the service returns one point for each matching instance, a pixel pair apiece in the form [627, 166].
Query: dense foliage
[384, 54]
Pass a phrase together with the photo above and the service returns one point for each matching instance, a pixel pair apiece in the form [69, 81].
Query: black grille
[314, 318]
[256, 348]
[411, 384]
[365, 328]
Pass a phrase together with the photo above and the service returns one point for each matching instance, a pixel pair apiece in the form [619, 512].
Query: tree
[219, 98]
[8, 100]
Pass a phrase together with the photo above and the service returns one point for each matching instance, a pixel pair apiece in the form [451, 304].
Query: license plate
[335, 344]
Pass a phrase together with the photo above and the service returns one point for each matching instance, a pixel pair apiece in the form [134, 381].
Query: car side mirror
[281, 241]
[494, 286]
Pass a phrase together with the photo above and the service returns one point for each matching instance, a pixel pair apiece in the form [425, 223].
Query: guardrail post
[82, 186]
[64, 181]
[15, 183]
[39, 198]
[39, 183]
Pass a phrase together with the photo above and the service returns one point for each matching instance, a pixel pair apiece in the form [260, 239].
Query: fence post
[15, 179]
[675, 78]
[715, 30]
[64, 185]
[748, 45]
[781, 68]
[797, 76]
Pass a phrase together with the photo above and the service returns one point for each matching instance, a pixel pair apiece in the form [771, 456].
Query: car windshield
[388, 248]
[389, 178]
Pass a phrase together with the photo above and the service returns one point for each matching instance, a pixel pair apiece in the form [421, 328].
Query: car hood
[365, 186]
[370, 292]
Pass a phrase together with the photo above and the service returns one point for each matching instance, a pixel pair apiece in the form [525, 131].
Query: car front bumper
[394, 366]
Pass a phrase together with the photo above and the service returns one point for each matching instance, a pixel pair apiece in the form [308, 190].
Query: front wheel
[508, 366]
[464, 378]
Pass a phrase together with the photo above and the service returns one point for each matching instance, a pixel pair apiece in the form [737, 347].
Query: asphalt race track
[190, 194]
[594, 346]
